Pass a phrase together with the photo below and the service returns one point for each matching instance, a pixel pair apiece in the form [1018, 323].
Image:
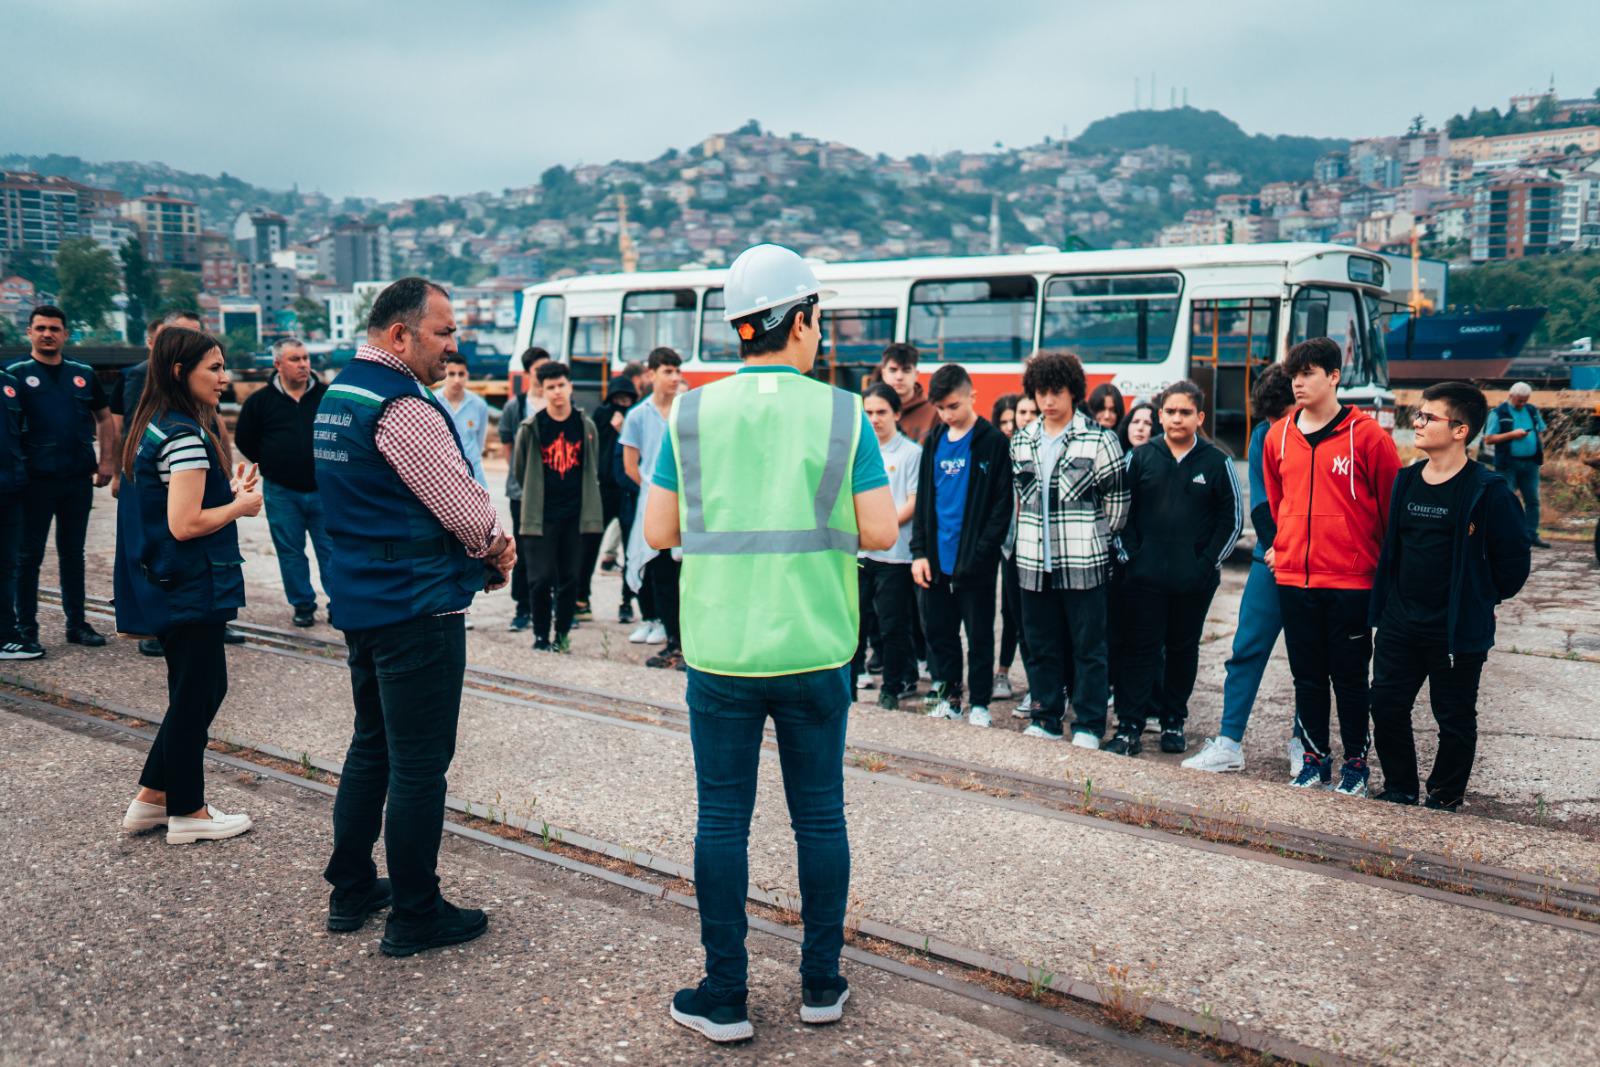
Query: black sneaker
[21, 650]
[889, 701]
[667, 659]
[151, 646]
[85, 635]
[583, 613]
[453, 926]
[1389, 794]
[305, 616]
[625, 613]
[542, 644]
[720, 1019]
[1438, 803]
[518, 623]
[1126, 742]
[348, 913]
[230, 636]
[824, 1003]
[1172, 740]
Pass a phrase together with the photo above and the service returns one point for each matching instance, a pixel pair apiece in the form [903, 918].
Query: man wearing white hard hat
[770, 483]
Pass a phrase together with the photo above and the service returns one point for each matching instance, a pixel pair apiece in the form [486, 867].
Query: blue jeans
[1523, 477]
[726, 719]
[1260, 622]
[291, 514]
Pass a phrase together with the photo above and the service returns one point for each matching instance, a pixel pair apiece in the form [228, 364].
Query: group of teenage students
[1105, 528]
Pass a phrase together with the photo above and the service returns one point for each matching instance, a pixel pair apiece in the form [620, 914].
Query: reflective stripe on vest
[697, 540]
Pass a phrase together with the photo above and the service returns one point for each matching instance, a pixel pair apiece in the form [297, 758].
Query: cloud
[407, 98]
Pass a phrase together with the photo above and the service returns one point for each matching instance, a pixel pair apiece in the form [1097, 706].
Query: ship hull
[1460, 345]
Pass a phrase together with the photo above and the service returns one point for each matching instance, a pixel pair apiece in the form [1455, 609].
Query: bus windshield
[1323, 311]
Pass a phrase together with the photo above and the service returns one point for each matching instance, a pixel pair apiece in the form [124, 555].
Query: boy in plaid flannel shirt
[1070, 499]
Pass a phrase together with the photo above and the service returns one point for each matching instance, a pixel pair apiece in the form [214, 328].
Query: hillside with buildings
[126, 239]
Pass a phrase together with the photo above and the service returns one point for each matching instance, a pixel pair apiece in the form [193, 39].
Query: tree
[241, 344]
[1416, 125]
[11, 333]
[751, 128]
[88, 279]
[180, 291]
[313, 315]
[140, 283]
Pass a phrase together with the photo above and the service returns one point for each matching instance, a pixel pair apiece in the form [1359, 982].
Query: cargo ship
[1457, 344]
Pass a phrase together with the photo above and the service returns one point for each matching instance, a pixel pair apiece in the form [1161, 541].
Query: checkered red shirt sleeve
[413, 437]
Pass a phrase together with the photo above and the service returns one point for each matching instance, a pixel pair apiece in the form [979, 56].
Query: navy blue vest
[13, 461]
[60, 439]
[161, 582]
[392, 560]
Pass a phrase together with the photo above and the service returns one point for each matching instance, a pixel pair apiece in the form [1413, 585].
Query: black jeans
[1326, 635]
[661, 574]
[887, 588]
[519, 576]
[1400, 664]
[406, 680]
[197, 680]
[1059, 623]
[627, 513]
[948, 607]
[552, 562]
[591, 556]
[1012, 635]
[1157, 624]
[66, 501]
[11, 527]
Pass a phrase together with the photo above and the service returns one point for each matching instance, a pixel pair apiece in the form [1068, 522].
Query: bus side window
[657, 320]
[718, 342]
[976, 320]
[1112, 318]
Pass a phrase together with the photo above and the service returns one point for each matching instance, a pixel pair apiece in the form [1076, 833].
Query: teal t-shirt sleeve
[869, 472]
[666, 475]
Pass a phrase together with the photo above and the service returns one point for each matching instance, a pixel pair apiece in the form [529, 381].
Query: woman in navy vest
[178, 575]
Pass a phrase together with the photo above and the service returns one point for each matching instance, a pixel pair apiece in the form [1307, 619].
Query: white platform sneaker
[142, 817]
[1218, 756]
[978, 716]
[186, 831]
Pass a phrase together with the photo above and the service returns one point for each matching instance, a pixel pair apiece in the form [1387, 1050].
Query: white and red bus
[1140, 318]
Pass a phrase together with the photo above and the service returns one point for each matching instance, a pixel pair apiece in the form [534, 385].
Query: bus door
[853, 340]
[588, 357]
[1355, 323]
[1230, 340]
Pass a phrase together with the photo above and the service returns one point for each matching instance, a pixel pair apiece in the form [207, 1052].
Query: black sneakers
[1438, 803]
[230, 636]
[22, 648]
[451, 926]
[151, 646]
[347, 914]
[1172, 740]
[85, 635]
[1126, 742]
[720, 1019]
[824, 1002]
[305, 616]
[1390, 795]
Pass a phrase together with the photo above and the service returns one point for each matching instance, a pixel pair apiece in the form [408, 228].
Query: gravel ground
[123, 949]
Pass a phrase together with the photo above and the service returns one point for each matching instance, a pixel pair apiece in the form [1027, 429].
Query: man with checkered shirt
[1071, 501]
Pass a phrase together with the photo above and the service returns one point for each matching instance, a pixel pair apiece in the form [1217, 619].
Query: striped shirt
[183, 451]
[414, 438]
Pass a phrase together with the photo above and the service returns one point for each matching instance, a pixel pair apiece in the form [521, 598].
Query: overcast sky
[405, 98]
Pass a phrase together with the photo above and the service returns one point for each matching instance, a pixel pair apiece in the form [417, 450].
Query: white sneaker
[1218, 756]
[1297, 755]
[1002, 686]
[1023, 710]
[641, 633]
[1084, 739]
[1041, 733]
[185, 831]
[866, 681]
[979, 716]
[142, 817]
[944, 710]
[658, 634]
[14, 650]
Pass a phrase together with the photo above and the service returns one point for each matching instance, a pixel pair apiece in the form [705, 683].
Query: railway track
[1500, 890]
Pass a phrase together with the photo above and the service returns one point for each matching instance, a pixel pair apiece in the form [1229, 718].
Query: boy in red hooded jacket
[1329, 470]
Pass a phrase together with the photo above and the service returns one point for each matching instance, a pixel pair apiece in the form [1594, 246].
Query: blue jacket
[1260, 511]
[13, 423]
[1490, 561]
[392, 559]
[61, 424]
[159, 581]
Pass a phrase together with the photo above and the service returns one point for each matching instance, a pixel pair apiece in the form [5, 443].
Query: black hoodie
[987, 518]
[608, 434]
[1184, 518]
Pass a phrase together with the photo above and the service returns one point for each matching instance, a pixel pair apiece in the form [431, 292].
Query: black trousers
[553, 561]
[1063, 623]
[948, 607]
[1157, 625]
[888, 590]
[1012, 635]
[11, 526]
[1400, 664]
[627, 513]
[519, 576]
[1326, 635]
[197, 681]
[591, 556]
[661, 576]
[406, 681]
[66, 502]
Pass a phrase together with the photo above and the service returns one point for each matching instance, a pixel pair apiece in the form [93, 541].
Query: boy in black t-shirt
[1455, 548]
[554, 456]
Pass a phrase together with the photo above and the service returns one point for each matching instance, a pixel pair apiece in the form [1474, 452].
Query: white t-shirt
[902, 461]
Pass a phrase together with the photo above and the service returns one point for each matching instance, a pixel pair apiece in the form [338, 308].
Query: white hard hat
[768, 278]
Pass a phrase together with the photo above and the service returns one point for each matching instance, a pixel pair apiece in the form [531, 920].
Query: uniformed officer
[66, 413]
[770, 481]
[414, 537]
[178, 573]
[13, 480]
